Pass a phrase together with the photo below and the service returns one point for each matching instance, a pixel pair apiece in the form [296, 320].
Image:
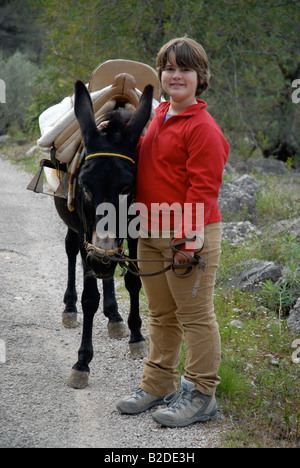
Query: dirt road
[37, 409]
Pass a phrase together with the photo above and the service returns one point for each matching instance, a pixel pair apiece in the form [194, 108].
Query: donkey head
[107, 179]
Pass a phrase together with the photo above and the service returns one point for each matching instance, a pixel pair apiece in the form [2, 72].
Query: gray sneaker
[186, 407]
[139, 402]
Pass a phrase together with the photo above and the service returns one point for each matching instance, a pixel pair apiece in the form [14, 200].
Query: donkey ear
[141, 116]
[84, 111]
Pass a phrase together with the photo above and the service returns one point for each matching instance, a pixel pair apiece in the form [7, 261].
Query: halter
[90, 248]
[94, 155]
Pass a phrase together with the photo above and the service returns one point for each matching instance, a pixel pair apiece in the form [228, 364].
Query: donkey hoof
[69, 319]
[138, 350]
[78, 379]
[117, 330]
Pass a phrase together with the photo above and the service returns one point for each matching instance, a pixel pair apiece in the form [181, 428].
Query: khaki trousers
[174, 313]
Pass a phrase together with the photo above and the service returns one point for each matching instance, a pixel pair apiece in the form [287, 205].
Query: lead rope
[130, 263]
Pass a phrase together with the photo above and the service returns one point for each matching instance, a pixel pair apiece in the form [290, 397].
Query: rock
[236, 204]
[265, 166]
[237, 232]
[4, 138]
[255, 273]
[237, 324]
[229, 169]
[293, 320]
[287, 226]
[248, 184]
[32, 150]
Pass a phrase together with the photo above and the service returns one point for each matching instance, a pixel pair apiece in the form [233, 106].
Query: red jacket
[182, 160]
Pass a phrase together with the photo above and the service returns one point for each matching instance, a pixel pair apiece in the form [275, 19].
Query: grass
[16, 154]
[278, 200]
[259, 393]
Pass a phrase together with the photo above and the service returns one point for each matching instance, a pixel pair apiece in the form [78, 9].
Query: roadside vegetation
[259, 393]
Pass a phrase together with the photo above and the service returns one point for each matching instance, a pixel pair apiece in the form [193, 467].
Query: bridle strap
[130, 263]
[94, 155]
[89, 247]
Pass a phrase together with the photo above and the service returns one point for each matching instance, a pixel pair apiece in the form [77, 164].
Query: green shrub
[18, 74]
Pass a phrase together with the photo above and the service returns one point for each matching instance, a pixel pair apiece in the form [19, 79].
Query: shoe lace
[138, 393]
[178, 400]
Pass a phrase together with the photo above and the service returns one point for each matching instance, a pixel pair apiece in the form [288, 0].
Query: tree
[18, 29]
[253, 47]
[255, 50]
[18, 74]
[79, 37]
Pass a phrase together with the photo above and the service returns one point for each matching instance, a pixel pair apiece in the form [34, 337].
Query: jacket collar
[163, 108]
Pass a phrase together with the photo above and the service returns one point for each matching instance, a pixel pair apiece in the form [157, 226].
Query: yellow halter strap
[110, 154]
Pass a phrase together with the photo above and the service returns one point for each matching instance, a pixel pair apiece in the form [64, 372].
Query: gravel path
[37, 409]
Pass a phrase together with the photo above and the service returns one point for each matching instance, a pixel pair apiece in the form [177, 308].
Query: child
[181, 160]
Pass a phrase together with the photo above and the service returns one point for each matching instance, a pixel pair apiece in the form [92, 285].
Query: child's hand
[180, 259]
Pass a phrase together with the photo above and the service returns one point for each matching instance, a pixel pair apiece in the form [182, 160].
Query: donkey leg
[69, 316]
[116, 327]
[137, 345]
[90, 303]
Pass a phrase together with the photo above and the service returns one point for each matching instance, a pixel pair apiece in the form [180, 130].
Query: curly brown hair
[188, 54]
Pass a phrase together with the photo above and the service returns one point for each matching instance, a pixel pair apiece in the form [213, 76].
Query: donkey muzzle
[106, 257]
